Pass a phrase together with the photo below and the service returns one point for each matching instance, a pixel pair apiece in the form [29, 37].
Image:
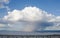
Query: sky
[51, 6]
[29, 15]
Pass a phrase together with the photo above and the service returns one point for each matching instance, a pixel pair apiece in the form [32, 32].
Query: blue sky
[29, 15]
[51, 6]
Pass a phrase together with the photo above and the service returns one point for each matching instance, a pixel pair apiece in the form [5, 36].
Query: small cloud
[6, 1]
[2, 4]
[56, 26]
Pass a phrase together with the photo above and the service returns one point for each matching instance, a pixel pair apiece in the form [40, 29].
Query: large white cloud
[28, 14]
[29, 19]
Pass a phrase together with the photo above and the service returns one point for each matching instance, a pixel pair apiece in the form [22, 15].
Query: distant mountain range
[45, 32]
[33, 31]
[49, 31]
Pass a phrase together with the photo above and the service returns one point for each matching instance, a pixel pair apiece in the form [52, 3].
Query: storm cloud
[30, 19]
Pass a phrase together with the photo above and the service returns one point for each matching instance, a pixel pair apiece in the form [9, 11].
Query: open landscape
[29, 18]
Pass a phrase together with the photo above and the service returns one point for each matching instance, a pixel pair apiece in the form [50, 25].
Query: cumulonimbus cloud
[31, 19]
[28, 14]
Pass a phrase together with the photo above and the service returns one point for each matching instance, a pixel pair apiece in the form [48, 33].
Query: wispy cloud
[4, 1]
[3, 4]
